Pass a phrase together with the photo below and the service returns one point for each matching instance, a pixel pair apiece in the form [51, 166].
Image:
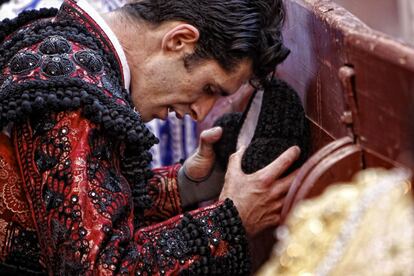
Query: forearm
[172, 190]
[192, 191]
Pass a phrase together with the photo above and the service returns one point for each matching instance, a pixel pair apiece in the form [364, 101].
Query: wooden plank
[384, 87]
[312, 68]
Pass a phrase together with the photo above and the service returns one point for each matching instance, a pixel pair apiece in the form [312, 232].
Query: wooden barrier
[357, 86]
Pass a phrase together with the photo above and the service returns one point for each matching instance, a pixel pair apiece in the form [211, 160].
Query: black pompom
[39, 103]
[52, 101]
[66, 103]
[11, 115]
[76, 102]
[27, 107]
[132, 136]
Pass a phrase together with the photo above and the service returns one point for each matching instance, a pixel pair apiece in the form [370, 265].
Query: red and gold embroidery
[13, 206]
[3, 237]
[163, 190]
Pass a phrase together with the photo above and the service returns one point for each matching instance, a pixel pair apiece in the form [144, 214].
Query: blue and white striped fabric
[178, 138]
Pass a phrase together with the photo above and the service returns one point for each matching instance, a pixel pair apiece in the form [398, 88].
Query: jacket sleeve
[164, 193]
[84, 216]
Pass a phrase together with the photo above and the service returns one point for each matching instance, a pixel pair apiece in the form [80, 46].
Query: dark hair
[230, 30]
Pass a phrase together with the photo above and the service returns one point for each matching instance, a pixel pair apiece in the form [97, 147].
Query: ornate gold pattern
[12, 194]
[3, 236]
[361, 228]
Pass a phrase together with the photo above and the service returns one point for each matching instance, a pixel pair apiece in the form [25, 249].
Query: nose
[202, 107]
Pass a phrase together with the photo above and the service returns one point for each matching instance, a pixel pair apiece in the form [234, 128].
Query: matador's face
[173, 87]
[165, 80]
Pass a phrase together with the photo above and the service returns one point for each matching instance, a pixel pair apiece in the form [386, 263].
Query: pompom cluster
[236, 262]
[60, 92]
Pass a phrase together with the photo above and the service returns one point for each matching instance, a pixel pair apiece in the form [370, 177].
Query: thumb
[207, 139]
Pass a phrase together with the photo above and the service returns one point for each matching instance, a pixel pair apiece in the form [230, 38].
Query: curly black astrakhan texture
[230, 123]
[281, 124]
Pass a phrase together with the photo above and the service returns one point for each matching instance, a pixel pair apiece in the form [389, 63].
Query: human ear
[181, 38]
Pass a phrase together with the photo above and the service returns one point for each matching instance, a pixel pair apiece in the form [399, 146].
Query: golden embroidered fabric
[361, 228]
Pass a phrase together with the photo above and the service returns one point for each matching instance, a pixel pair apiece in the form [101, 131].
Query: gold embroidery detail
[12, 195]
[3, 234]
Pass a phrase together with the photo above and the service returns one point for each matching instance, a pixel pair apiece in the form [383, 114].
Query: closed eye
[208, 89]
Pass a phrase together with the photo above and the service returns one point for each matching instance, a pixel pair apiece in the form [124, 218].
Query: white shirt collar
[84, 5]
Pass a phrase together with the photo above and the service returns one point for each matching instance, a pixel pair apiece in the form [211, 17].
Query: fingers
[275, 169]
[277, 207]
[207, 139]
[235, 159]
[279, 192]
[272, 220]
[282, 186]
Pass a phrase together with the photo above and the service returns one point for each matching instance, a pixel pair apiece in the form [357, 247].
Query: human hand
[259, 196]
[199, 166]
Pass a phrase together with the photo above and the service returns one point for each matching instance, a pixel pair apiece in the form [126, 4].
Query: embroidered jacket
[76, 194]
